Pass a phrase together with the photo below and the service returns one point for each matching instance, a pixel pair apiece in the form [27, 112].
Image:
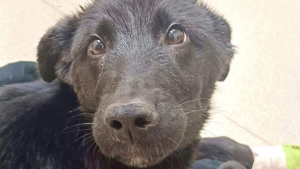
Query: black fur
[57, 125]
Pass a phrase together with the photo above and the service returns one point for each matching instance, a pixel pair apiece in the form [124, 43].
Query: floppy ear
[222, 33]
[54, 47]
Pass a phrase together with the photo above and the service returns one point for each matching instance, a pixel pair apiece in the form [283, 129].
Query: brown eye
[175, 36]
[96, 47]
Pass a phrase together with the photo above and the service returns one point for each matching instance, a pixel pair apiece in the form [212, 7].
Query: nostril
[141, 122]
[116, 124]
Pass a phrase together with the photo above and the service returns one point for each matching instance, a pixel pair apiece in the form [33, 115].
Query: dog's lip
[140, 161]
[142, 155]
[135, 153]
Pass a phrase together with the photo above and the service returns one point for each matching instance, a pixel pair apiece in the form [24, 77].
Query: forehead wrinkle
[131, 16]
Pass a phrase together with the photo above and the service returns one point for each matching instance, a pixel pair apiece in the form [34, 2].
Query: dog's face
[146, 69]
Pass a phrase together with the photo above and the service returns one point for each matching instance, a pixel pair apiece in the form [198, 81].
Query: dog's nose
[130, 121]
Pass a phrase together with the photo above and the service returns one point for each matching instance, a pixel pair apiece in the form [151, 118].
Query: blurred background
[258, 103]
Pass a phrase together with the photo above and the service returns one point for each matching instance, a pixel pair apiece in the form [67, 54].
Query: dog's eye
[175, 36]
[96, 47]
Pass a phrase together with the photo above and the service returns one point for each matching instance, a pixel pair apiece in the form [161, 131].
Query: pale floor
[258, 103]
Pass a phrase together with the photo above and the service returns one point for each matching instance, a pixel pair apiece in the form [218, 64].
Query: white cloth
[269, 157]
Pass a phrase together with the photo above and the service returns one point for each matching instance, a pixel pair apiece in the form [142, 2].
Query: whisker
[83, 136]
[77, 131]
[183, 99]
[165, 154]
[192, 111]
[209, 132]
[214, 109]
[179, 110]
[178, 148]
[83, 114]
[67, 129]
[217, 122]
[186, 103]
[156, 148]
[88, 149]
[87, 141]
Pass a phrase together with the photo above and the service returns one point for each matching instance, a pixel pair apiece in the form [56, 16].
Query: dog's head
[145, 68]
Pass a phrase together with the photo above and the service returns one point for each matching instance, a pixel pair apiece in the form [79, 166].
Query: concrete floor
[258, 103]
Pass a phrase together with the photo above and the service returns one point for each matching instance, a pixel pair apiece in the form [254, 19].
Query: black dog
[210, 154]
[134, 82]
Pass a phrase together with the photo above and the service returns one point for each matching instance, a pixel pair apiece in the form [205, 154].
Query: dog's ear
[222, 33]
[54, 47]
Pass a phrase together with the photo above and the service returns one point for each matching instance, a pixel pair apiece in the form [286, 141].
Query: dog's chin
[139, 156]
[140, 161]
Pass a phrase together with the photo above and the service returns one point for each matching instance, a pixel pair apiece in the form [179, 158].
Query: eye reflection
[175, 36]
[96, 47]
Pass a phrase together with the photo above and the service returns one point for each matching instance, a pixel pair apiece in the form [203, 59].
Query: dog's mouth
[140, 158]
[144, 153]
[147, 150]
[132, 135]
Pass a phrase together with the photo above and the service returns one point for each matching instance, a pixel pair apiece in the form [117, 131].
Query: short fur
[60, 125]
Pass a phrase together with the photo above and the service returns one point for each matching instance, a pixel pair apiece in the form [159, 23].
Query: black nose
[130, 121]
